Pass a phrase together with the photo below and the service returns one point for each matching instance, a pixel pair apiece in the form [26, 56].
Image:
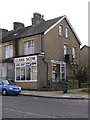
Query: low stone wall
[73, 84]
[27, 85]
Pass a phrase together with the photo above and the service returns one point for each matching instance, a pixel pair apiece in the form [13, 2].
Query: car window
[5, 82]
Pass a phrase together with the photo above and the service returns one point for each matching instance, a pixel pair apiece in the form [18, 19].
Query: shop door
[56, 73]
[59, 72]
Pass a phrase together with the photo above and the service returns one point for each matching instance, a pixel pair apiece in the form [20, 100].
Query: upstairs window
[66, 33]
[8, 51]
[29, 47]
[65, 49]
[60, 30]
[74, 52]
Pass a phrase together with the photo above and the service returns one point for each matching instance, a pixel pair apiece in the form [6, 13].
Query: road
[36, 107]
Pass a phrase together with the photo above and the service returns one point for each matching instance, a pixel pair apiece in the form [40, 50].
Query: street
[36, 107]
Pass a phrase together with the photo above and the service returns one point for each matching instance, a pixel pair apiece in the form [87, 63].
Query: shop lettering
[26, 59]
[20, 60]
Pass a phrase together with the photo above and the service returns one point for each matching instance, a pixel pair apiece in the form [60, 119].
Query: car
[7, 88]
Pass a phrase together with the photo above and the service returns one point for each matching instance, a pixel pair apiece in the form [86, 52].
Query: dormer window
[60, 30]
[66, 33]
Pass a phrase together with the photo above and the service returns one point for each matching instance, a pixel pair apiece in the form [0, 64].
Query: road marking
[30, 113]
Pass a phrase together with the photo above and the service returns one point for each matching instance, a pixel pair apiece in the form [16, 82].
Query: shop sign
[29, 59]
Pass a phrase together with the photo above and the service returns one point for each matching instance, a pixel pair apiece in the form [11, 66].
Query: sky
[22, 11]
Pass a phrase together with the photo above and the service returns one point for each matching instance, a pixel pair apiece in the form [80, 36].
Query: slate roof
[33, 30]
[29, 31]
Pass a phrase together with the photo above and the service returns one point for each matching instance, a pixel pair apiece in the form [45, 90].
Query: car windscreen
[5, 82]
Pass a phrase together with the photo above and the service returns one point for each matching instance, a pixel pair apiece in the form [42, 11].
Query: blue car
[7, 88]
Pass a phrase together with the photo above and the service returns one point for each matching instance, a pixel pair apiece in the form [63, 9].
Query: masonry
[35, 56]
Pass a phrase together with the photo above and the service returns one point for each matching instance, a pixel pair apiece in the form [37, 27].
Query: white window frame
[60, 30]
[66, 33]
[19, 66]
[74, 52]
[8, 51]
[65, 49]
[29, 47]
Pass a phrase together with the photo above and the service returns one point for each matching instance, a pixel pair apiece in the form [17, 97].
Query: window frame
[66, 33]
[60, 30]
[65, 49]
[74, 52]
[29, 47]
[8, 51]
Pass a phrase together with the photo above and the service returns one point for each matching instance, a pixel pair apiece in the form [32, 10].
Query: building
[37, 55]
[84, 56]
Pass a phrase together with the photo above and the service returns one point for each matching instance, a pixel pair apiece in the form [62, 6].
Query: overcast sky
[22, 11]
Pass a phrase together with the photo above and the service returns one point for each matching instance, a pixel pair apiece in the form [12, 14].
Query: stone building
[45, 52]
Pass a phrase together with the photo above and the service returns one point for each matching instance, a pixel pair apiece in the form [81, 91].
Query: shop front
[26, 72]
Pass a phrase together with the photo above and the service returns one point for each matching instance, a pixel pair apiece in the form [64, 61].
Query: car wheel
[4, 92]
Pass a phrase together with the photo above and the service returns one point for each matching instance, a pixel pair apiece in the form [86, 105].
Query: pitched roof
[42, 28]
[29, 31]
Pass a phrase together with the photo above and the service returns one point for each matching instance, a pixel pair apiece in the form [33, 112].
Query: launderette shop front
[26, 71]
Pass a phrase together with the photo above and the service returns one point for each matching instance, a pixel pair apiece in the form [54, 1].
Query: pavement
[71, 94]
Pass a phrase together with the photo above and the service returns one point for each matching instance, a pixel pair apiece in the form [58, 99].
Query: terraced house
[38, 55]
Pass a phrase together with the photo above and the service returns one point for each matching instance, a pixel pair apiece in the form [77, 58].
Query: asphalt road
[36, 107]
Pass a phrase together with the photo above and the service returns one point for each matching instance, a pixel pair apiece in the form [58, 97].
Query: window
[29, 47]
[10, 71]
[60, 30]
[74, 52]
[3, 71]
[26, 72]
[65, 49]
[8, 51]
[66, 33]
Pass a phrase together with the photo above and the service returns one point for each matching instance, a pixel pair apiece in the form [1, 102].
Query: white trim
[72, 29]
[26, 81]
[53, 25]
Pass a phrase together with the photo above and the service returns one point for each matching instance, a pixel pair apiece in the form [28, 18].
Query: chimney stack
[17, 25]
[37, 19]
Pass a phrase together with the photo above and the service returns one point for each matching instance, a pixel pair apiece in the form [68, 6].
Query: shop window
[3, 71]
[8, 51]
[74, 52]
[29, 47]
[26, 72]
[66, 33]
[17, 73]
[10, 71]
[34, 73]
[60, 30]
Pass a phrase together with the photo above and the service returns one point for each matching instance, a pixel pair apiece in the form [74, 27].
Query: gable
[72, 29]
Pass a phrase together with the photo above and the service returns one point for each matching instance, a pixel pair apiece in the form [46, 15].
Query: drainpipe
[44, 56]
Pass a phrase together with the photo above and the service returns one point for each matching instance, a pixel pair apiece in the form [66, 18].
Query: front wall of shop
[41, 73]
